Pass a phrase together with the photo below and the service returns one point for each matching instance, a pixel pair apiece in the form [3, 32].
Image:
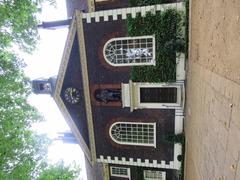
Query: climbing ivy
[167, 28]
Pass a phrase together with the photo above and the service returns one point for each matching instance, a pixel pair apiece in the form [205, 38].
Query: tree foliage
[60, 172]
[22, 152]
[18, 24]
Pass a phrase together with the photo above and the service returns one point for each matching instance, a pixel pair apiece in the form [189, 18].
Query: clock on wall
[72, 95]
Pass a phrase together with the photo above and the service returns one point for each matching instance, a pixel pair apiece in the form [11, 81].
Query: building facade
[120, 125]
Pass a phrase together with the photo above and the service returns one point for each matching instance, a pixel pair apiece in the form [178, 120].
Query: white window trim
[120, 175]
[163, 173]
[157, 105]
[153, 61]
[134, 144]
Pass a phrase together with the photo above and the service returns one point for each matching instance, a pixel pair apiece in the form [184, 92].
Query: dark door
[158, 95]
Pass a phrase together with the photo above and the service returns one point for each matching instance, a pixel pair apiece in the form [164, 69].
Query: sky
[44, 63]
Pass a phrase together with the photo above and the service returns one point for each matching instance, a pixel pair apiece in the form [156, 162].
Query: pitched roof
[76, 30]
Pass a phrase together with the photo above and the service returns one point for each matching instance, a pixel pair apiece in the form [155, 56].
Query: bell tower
[44, 86]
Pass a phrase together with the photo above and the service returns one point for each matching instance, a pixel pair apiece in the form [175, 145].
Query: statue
[108, 95]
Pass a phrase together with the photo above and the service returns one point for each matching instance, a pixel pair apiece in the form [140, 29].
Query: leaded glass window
[154, 175]
[120, 171]
[131, 133]
[130, 51]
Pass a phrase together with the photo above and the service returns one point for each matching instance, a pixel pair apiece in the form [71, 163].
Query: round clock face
[72, 95]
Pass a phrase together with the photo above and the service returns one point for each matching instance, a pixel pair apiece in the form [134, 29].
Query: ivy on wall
[168, 31]
[149, 2]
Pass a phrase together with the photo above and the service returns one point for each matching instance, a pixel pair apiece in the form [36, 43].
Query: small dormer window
[41, 86]
[130, 51]
[44, 86]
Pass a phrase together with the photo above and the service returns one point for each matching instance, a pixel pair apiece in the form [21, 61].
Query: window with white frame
[120, 171]
[130, 51]
[132, 133]
[154, 175]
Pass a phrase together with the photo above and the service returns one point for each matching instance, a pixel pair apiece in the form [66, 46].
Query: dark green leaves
[18, 24]
[60, 172]
[167, 28]
[22, 153]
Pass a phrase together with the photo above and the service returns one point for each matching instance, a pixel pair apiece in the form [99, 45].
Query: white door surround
[131, 95]
[168, 95]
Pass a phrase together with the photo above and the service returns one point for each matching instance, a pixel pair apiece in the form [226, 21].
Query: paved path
[213, 91]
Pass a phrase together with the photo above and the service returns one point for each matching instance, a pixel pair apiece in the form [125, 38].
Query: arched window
[130, 51]
[132, 133]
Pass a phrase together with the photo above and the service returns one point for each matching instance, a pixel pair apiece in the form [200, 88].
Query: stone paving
[212, 124]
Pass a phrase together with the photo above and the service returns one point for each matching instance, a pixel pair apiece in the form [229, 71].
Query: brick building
[120, 125]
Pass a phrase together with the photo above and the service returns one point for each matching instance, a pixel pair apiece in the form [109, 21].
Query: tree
[21, 151]
[18, 23]
[59, 172]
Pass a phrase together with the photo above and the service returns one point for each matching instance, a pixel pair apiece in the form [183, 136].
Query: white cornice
[122, 13]
[83, 61]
